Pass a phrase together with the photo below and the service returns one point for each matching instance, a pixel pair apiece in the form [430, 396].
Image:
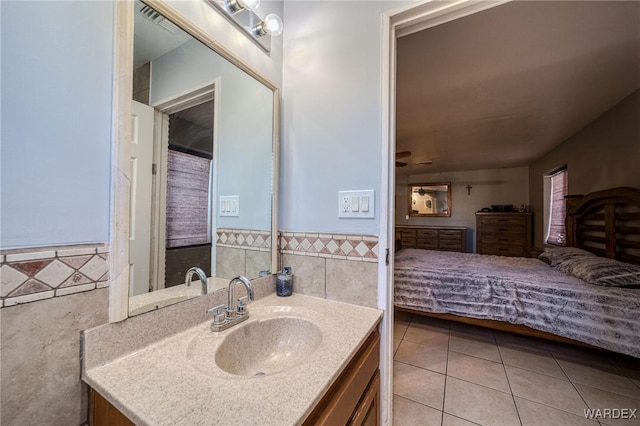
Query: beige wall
[603, 155]
[496, 186]
[40, 354]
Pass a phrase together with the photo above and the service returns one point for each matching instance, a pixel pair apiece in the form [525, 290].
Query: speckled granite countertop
[166, 383]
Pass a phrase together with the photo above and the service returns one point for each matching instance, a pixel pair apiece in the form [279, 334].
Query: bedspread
[519, 291]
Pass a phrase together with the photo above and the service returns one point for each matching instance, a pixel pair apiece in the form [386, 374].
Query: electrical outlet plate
[356, 204]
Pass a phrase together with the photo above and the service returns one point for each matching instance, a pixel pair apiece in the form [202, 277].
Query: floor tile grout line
[513, 397]
[594, 387]
[548, 406]
[549, 354]
[446, 375]
[417, 402]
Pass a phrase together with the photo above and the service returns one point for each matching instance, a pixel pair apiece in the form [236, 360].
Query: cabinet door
[368, 410]
[105, 414]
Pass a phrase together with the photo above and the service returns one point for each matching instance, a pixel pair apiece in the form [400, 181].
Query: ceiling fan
[402, 154]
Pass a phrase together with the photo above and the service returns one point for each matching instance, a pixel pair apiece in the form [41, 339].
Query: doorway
[396, 24]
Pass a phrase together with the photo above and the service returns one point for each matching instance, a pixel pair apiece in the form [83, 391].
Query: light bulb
[251, 4]
[272, 24]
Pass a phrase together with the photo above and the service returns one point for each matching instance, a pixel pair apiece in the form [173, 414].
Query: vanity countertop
[161, 385]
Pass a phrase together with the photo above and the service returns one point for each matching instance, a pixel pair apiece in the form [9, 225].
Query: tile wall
[41, 341]
[247, 250]
[333, 266]
[30, 275]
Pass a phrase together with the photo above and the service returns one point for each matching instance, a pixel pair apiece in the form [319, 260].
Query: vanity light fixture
[241, 13]
[237, 5]
[272, 25]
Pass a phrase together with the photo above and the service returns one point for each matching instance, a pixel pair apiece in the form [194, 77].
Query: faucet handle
[219, 314]
[242, 306]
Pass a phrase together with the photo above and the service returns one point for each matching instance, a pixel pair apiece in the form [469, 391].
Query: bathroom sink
[258, 348]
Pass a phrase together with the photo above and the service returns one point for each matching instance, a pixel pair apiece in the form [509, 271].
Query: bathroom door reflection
[189, 204]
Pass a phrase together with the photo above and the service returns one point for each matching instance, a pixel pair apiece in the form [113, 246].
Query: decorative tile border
[335, 246]
[28, 275]
[249, 239]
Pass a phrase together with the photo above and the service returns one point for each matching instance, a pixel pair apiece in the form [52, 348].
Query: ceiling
[502, 87]
[154, 35]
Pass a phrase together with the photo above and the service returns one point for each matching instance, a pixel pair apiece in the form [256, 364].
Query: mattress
[519, 290]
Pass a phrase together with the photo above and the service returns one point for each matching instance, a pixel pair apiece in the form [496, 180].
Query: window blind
[187, 199]
[557, 210]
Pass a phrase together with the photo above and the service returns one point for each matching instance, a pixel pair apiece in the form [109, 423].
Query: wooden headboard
[606, 223]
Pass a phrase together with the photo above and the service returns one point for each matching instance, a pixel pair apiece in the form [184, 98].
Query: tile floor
[452, 374]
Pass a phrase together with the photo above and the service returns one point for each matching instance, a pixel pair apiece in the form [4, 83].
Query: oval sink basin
[268, 346]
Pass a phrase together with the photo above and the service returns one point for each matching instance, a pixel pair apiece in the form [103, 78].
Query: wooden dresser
[504, 234]
[433, 237]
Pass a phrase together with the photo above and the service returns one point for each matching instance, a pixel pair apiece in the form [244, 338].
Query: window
[556, 188]
[187, 199]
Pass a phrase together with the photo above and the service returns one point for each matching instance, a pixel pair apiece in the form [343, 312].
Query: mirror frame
[121, 135]
[448, 214]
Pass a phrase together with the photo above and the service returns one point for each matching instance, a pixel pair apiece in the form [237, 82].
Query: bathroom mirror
[430, 199]
[202, 157]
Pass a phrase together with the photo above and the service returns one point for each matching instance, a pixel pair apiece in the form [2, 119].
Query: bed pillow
[602, 271]
[555, 255]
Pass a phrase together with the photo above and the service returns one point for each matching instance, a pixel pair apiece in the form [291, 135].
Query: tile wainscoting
[333, 266]
[250, 239]
[29, 275]
[334, 246]
[247, 250]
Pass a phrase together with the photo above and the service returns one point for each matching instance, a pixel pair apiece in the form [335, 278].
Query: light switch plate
[351, 204]
[229, 206]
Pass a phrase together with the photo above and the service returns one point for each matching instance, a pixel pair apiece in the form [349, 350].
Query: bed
[588, 292]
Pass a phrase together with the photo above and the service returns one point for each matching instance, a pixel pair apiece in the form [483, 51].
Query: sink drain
[259, 373]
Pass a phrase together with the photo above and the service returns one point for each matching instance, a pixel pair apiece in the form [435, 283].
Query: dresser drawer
[508, 230]
[502, 221]
[502, 250]
[408, 242]
[427, 244]
[450, 245]
[408, 233]
[505, 240]
[450, 234]
[427, 233]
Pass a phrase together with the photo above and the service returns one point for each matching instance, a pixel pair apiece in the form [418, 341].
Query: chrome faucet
[232, 310]
[200, 273]
[225, 316]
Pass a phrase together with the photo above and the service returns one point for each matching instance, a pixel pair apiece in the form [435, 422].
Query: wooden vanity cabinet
[354, 398]
[105, 414]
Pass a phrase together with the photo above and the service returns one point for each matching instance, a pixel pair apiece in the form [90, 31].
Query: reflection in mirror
[430, 199]
[202, 159]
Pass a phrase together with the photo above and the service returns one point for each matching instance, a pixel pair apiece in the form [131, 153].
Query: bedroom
[332, 135]
[538, 93]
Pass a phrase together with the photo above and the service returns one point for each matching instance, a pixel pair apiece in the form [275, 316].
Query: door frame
[397, 23]
[208, 92]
